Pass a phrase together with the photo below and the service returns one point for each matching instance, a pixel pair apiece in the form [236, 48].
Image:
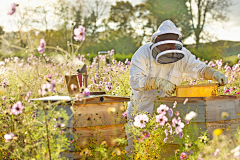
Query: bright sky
[231, 30]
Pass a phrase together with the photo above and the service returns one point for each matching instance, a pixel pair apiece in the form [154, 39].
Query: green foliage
[207, 52]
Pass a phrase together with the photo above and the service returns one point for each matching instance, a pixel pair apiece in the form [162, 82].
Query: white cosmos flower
[190, 115]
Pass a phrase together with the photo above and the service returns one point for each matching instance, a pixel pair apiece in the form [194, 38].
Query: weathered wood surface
[229, 127]
[215, 108]
[99, 114]
[100, 133]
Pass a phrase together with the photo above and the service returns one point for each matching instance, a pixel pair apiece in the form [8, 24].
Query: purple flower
[177, 124]
[140, 120]
[145, 134]
[79, 33]
[170, 112]
[125, 114]
[162, 109]
[170, 129]
[96, 76]
[12, 9]
[17, 108]
[180, 135]
[53, 85]
[86, 92]
[161, 119]
[166, 132]
[4, 98]
[8, 137]
[41, 47]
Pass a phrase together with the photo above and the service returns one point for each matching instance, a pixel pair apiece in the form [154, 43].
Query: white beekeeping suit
[152, 69]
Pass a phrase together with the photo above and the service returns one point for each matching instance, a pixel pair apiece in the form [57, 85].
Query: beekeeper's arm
[197, 69]
[139, 79]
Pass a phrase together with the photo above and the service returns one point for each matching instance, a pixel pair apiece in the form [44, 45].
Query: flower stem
[49, 150]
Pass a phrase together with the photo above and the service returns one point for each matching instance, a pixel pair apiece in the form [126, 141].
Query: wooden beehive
[209, 110]
[98, 117]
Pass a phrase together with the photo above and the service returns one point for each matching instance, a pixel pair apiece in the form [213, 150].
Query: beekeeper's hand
[161, 84]
[220, 78]
[211, 74]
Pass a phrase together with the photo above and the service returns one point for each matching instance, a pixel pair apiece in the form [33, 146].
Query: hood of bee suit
[167, 56]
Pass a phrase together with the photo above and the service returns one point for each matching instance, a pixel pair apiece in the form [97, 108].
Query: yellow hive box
[201, 90]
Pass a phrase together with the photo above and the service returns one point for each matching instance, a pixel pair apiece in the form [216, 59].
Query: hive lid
[67, 98]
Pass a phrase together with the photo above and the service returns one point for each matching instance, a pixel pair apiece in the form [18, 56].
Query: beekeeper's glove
[161, 84]
[211, 74]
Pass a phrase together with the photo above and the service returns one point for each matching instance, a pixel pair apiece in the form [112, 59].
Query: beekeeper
[160, 65]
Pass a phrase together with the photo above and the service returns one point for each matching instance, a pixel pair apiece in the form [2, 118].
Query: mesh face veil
[167, 49]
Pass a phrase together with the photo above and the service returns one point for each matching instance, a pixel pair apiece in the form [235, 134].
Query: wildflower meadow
[35, 130]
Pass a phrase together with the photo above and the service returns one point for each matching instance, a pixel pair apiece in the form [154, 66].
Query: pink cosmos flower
[41, 47]
[165, 139]
[44, 89]
[8, 137]
[28, 95]
[12, 9]
[79, 33]
[238, 93]
[175, 104]
[72, 141]
[176, 113]
[183, 156]
[125, 114]
[177, 124]
[140, 120]
[186, 100]
[17, 108]
[108, 86]
[161, 118]
[4, 98]
[228, 90]
[162, 109]
[216, 152]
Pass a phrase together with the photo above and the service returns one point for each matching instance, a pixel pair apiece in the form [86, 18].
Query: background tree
[175, 10]
[207, 11]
